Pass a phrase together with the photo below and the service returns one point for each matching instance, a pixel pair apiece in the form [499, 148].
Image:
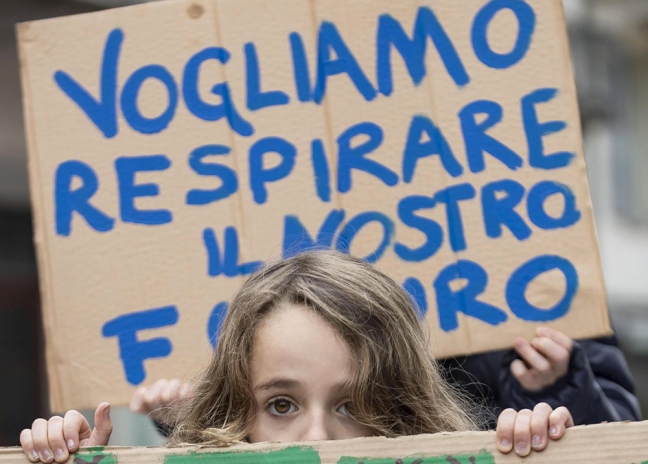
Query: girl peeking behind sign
[320, 346]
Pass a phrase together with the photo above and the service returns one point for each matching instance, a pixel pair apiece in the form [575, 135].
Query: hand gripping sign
[174, 146]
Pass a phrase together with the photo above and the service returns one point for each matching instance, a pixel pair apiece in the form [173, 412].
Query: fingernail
[35, 456]
[537, 440]
[59, 454]
[107, 412]
[47, 455]
[70, 444]
[505, 444]
[553, 431]
[521, 446]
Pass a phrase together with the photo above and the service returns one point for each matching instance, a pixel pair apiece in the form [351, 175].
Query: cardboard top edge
[621, 443]
[146, 6]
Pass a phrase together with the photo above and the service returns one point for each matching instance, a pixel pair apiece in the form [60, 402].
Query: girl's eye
[343, 409]
[281, 407]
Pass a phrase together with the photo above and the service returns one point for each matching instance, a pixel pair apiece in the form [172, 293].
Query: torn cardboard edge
[614, 443]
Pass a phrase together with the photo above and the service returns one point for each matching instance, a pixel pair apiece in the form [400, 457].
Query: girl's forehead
[296, 343]
[291, 322]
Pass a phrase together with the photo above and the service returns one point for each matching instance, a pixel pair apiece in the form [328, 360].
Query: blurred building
[609, 40]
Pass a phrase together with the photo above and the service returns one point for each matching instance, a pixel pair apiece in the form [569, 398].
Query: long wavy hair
[396, 388]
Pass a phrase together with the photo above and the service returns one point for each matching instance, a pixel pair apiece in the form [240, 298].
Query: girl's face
[299, 371]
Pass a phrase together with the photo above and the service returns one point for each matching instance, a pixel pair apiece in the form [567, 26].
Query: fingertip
[559, 337]
[522, 449]
[102, 414]
[136, 400]
[28, 446]
[518, 369]
[537, 442]
[25, 438]
[46, 456]
[554, 433]
[31, 454]
[504, 430]
[559, 420]
[170, 391]
[100, 435]
[135, 406]
[504, 446]
[61, 456]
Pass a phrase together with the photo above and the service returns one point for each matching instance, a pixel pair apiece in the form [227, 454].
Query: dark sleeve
[598, 386]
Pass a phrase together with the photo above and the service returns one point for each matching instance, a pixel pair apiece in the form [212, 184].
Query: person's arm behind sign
[590, 377]
[594, 381]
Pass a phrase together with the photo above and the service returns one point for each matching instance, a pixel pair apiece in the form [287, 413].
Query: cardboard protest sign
[174, 146]
[619, 443]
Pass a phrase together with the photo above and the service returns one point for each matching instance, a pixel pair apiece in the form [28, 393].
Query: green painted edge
[290, 455]
[481, 457]
[88, 455]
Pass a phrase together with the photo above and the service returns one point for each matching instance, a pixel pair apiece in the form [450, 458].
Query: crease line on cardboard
[326, 110]
[237, 211]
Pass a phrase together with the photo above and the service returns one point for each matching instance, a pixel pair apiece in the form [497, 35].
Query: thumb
[103, 426]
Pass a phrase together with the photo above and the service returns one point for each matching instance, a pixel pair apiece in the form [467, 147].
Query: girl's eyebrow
[277, 382]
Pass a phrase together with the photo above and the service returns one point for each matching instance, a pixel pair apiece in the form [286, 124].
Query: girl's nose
[319, 427]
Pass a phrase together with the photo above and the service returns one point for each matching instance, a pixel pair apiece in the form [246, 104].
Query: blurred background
[609, 41]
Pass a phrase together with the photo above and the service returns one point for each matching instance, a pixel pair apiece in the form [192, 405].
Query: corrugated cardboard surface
[89, 278]
[618, 443]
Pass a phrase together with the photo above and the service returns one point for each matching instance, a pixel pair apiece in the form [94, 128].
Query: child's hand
[54, 439]
[546, 359]
[160, 400]
[529, 430]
